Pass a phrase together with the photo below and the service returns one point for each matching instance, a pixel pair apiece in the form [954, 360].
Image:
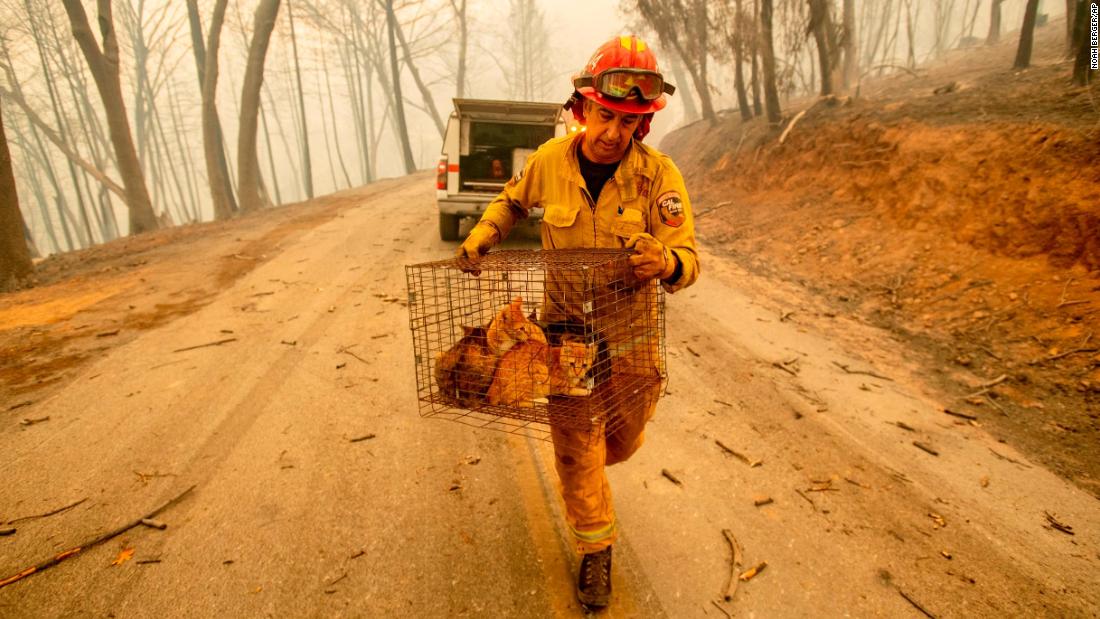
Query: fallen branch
[925, 448]
[724, 611]
[808, 500]
[217, 343]
[1064, 528]
[916, 605]
[736, 454]
[1062, 302]
[735, 563]
[671, 477]
[58, 558]
[790, 126]
[864, 372]
[346, 351]
[48, 514]
[783, 366]
[960, 415]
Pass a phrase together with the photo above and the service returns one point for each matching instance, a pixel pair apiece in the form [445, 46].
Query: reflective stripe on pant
[580, 457]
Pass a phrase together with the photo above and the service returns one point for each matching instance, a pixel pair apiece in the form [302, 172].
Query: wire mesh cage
[536, 339]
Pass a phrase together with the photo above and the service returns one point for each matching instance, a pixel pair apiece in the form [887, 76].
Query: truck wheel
[448, 227]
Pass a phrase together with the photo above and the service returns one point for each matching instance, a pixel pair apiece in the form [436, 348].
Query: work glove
[651, 257]
[477, 244]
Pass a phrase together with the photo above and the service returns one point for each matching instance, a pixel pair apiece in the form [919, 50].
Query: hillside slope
[967, 222]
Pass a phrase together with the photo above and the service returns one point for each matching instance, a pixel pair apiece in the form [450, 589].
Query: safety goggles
[622, 83]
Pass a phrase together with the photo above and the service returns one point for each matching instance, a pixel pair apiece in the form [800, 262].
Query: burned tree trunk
[213, 143]
[771, 94]
[104, 65]
[850, 71]
[15, 258]
[307, 162]
[994, 22]
[398, 99]
[1082, 71]
[1027, 35]
[821, 28]
[249, 182]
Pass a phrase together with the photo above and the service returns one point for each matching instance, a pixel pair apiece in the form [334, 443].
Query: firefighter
[602, 187]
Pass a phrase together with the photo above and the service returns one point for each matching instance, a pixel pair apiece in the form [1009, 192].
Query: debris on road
[916, 605]
[790, 366]
[124, 555]
[49, 513]
[740, 456]
[347, 351]
[925, 448]
[107, 333]
[938, 519]
[762, 501]
[6, 531]
[58, 558]
[216, 343]
[359, 439]
[960, 415]
[29, 402]
[30, 422]
[671, 477]
[848, 370]
[735, 563]
[154, 524]
[751, 573]
[808, 499]
[1064, 528]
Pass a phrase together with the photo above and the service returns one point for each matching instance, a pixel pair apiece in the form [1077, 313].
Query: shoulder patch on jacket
[671, 209]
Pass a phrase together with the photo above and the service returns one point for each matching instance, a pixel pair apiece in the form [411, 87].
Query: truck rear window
[491, 141]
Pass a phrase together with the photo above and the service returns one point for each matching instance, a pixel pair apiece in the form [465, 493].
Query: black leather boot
[594, 579]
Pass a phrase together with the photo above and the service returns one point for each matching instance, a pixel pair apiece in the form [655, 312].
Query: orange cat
[511, 327]
[465, 372]
[534, 370]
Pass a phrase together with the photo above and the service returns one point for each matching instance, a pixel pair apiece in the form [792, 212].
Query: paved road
[290, 517]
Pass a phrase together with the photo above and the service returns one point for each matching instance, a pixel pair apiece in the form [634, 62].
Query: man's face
[607, 133]
[497, 169]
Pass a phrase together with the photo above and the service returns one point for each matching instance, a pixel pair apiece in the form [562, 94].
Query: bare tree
[104, 65]
[249, 181]
[459, 7]
[849, 45]
[206, 59]
[1027, 33]
[398, 99]
[1082, 73]
[733, 20]
[994, 22]
[527, 45]
[307, 163]
[425, 92]
[15, 259]
[821, 27]
[771, 94]
[682, 25]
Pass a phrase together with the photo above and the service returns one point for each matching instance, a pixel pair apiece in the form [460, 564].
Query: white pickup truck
[486, 143]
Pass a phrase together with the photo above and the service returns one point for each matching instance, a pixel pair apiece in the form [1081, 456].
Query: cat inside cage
[558, 338]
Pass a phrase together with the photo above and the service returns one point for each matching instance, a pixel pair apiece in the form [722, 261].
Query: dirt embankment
[968, 222]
